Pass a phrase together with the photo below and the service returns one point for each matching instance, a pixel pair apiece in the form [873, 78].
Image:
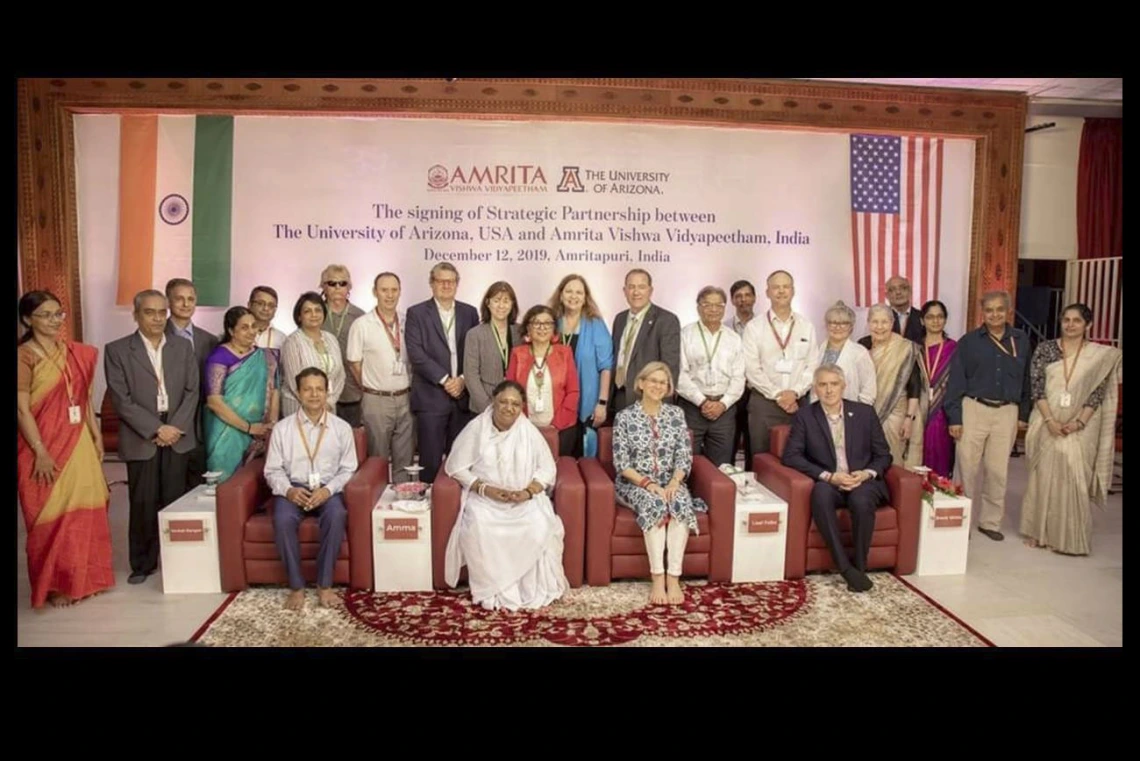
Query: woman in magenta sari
[934, 362]
[59, 454]
[242, 398]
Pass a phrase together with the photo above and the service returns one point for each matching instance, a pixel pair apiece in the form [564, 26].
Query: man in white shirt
[378, 361]
[779, 358]
[711, 380]
[263, 305]
[311, 457]
[743, 295]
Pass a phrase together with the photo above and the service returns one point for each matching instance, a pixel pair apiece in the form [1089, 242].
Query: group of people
[446, 377]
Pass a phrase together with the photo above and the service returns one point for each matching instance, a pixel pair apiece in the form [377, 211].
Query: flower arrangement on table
[936, 484]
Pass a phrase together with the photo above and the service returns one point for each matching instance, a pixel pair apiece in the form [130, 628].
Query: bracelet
[603, 401]
[910, 417]
[645, 482]
[248, 427]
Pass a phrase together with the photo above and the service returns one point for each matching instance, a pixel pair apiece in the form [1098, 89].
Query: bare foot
[60, 600]
[326, 598]
[657, 594]
[295, 600]
[1031, 542]
[675, 591]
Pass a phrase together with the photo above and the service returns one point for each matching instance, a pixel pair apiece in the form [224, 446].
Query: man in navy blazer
[841, 446]
[435, 333]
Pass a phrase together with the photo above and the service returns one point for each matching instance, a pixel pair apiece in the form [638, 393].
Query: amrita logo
[438, 177]
[570, 182]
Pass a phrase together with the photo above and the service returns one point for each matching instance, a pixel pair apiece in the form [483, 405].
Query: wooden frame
[48, 224]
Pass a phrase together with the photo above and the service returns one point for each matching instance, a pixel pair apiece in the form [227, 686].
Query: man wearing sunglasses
[336, 285]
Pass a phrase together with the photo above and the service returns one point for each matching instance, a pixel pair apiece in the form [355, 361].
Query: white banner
[526, 202]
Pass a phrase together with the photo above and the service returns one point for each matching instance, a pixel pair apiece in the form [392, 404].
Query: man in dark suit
[840, 445]
[907, 319]
[182, 297]
[642, 334]
[154, 389]
[435, 331]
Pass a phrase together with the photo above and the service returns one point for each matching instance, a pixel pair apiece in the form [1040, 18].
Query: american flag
[896, 214]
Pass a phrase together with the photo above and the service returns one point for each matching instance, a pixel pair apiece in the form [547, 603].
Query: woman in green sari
[241, 396]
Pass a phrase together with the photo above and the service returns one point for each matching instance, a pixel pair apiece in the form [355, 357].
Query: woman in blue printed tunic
[652, 459]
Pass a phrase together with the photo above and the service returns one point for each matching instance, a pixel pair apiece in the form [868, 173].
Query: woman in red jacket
[545, 368]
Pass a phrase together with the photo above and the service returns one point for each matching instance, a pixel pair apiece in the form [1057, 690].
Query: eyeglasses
[542, 324]
[441, 281]
[831, 324]
[264, 304]
[51, 316]
[711, 305]
[336, 283]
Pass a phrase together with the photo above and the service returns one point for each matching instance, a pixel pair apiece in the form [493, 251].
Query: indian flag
[175, 204]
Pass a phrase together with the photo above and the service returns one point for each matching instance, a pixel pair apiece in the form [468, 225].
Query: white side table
[401, 546]
[760, 535]
[188, 537]
[943, 538]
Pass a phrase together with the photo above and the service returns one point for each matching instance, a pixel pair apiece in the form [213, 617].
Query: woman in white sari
[1071, 439]
[507, 533]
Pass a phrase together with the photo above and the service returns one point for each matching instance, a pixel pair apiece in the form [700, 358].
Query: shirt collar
[772, 316]
[149, 345]
[440, 306]
[303, 419]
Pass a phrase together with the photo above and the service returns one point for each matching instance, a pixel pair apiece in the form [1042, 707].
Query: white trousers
[671, 539]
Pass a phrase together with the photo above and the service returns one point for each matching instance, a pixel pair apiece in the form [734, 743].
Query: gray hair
[886, 310]
[443, 267]
[146, 295]
[828, 368]
[328, 271]
[839, 308]
[989, 296]
[709, 290]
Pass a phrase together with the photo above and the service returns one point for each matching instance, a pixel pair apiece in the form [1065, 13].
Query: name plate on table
[948, 517]
[401, 528]
[187, 531]
[763, 523]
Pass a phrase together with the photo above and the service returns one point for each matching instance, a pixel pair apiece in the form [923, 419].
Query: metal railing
[1098, 284]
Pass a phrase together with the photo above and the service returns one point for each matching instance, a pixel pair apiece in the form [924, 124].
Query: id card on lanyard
[314, 479]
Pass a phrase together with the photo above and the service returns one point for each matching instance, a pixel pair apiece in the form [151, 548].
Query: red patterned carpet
[813, 612]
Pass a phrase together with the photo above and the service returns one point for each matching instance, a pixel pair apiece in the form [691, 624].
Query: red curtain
[1100, 195]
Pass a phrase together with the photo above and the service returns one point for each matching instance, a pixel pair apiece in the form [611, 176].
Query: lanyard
[502, 343]
[64, 369]
[312, 453]
[540, 367]
[332, 320]
[394, 337]
[1001, 346]
[930, 372]
[784, 343]
[716, 345]
[1068, 371]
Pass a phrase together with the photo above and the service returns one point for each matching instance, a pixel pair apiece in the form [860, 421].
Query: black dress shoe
[997, 536]
[138, 577]
[857, 581]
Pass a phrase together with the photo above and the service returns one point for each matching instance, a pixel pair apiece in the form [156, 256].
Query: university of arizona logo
[570, 182]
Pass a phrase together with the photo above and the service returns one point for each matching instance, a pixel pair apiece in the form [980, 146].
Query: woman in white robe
[507, 533]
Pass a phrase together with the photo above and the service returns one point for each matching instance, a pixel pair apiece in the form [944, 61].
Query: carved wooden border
[48, 229]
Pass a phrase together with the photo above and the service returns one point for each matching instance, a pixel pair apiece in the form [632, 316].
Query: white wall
[1049, 188]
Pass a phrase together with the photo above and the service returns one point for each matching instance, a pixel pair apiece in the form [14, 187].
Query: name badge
[314, 480]
[163, 404]
[1066, 399]
[73, 414]
[540, 405]
[784, 365]
[398, 367]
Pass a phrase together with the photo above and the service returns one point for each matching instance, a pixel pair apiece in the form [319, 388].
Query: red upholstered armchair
[569, 505]
[246, 545]
[894, 543]
[615, 544]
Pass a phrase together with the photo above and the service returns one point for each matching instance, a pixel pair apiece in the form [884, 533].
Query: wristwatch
[603, 401]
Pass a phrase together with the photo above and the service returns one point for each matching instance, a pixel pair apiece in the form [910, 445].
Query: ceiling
[1066, 89]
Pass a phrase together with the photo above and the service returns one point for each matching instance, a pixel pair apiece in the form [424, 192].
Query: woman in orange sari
[59, 455]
